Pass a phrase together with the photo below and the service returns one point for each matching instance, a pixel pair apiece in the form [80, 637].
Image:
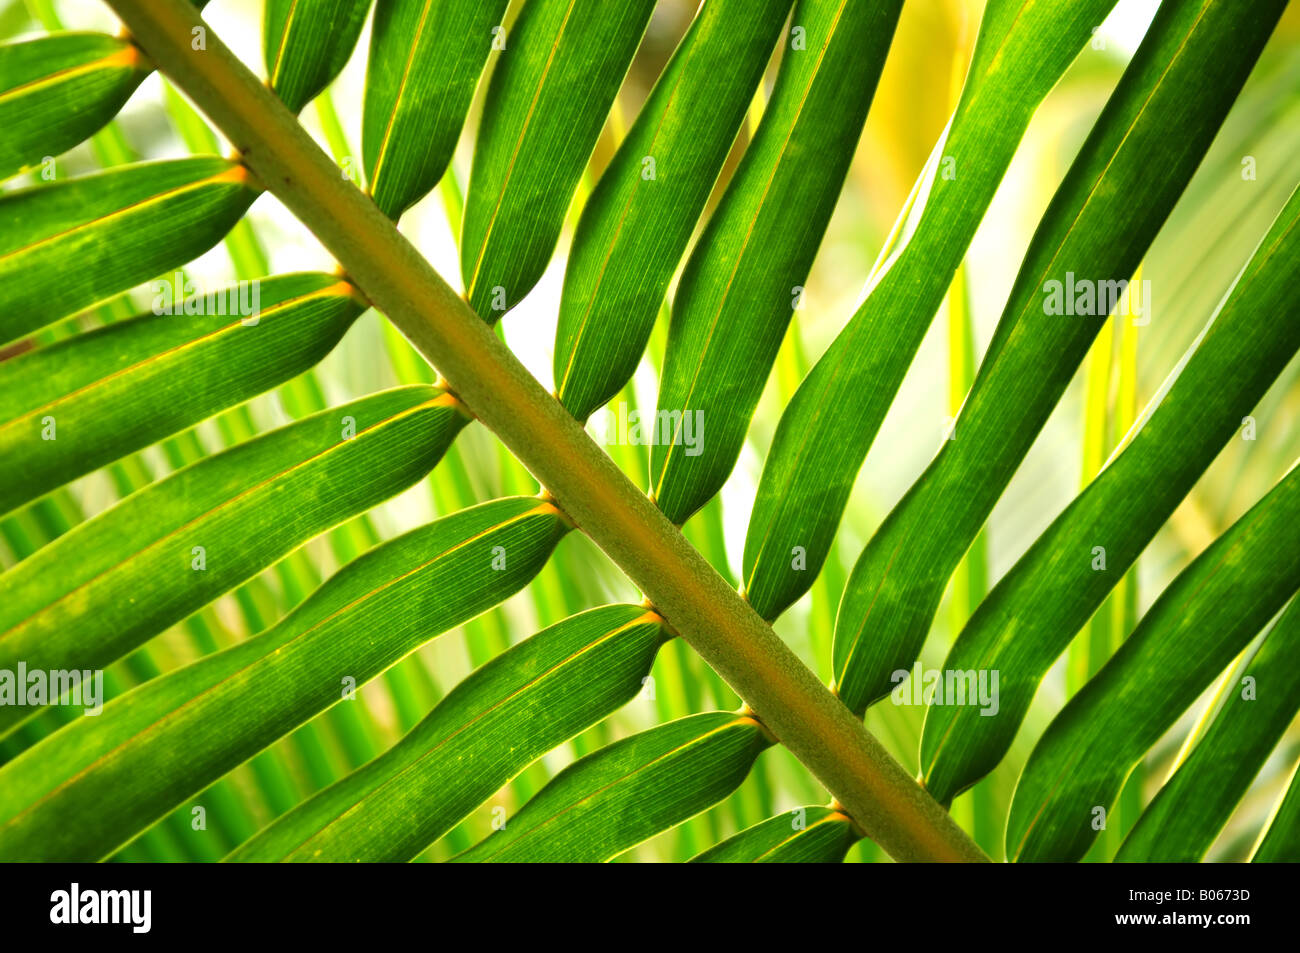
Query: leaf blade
[1170, 103]
[1187, 814]
[825, 838]
[1205, 617]
[170, 738]
[546, 105]
[639, 218]
[306, 44]
[1028, 619]
[509, 712]
[112, 582]
[1281, 841]
[425, 61]
[56, 90]
[825, 432]
[120, 227]
[120, 388]
[737, 294]
[626, 792]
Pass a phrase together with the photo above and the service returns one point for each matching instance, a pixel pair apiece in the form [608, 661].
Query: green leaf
[746, 274]
[1281, 841]
[307, 43]
[68, 245]
[111, 583]
[825, 432]
[1200, 623]
[1120, 189]
[425, 61]
[507, 714]
[612, 800]
[55, 91]
[1036, 608]
[94, 784]
[1187, 814]
[122, 387]
[824, 838]
[639, 218]
[546, 105]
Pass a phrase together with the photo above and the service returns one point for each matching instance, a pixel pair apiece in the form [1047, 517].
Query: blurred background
[1191, 266]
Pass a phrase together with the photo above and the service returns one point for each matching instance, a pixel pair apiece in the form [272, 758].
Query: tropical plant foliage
[261, 616]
